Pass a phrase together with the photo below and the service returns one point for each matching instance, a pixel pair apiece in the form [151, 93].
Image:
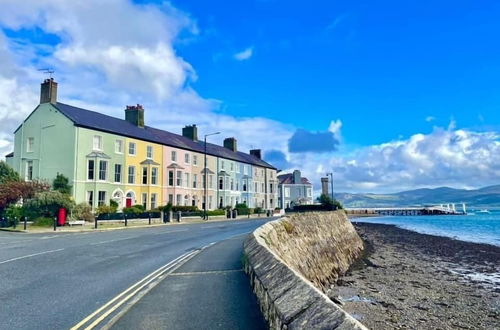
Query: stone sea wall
[291, 262]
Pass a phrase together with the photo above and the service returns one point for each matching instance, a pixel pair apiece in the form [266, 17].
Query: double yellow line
[111, 306]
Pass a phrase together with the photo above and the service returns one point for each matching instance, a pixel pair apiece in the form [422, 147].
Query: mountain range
[483, 197]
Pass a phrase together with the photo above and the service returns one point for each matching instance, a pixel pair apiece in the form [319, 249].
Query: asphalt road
[53, 281]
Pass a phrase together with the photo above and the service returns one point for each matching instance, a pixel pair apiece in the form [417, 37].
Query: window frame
[30, 144]
[119, 173]
[131, 175]
[149, 152]
[93, 170]
[130, 145]
[99, 143]
[119, 146]
[101, 161]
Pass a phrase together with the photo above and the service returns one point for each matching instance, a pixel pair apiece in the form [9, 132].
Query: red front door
[128, 202]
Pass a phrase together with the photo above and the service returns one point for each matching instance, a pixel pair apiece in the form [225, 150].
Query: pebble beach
[408, 280]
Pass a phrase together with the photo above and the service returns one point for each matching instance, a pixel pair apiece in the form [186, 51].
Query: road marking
[113, 240]
[126, 295]
[29, 256]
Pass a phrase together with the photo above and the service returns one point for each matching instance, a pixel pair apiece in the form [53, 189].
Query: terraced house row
[124, 160]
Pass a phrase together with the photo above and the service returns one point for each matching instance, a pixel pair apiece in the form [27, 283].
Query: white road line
[113, 240]
[129, 293]
[29, 256]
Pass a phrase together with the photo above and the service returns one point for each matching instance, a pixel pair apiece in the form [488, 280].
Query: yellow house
[143, 173]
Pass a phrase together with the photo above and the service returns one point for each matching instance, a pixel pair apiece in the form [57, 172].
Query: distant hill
[484, 197]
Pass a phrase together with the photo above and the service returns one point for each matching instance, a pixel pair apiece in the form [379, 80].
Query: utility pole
[331, 182]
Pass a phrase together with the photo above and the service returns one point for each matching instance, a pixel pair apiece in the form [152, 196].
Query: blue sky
[389, 95]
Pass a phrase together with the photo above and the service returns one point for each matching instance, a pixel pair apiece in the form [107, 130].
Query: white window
[309, 192]
[29, 170]
[131, 149]
[174, 155]
[186, 158]
[154, 175]
[195, 179]
[171, 199]
[149, 152]
[30, 143]
[222, 164]
[90, 169]
[179, 178]
[195, 160]
[118, 173]
[186, 181]
[287, 192]
[145, 200]
[103, 170]
[232, 166]
[211, 181]
[90, 198]
[144, 175]
[178, 199]
[119, 146]
[170, 178]
[153, 201]
[245, 169]
[102, 198]
[131, 174]
[97, 142]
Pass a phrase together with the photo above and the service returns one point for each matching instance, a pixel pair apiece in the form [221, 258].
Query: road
[53, 281]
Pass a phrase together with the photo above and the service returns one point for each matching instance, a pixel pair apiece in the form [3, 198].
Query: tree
[61, 184]
[329, 203]
[13, 191]
[7, 173]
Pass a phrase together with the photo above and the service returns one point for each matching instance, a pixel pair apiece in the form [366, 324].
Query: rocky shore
[408, 280]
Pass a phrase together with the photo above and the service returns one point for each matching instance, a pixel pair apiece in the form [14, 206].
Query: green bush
[105, 209]
[14, 214]
[113, 204]
[241, 206]
[61, 184]
[133, 210]
[43, 222]
[258, 210]
[83, 211]
[47, 203]
[185, 208]
[216, 213]
[139, 206]
[165, 208]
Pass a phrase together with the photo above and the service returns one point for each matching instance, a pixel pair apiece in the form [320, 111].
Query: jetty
[441, 209]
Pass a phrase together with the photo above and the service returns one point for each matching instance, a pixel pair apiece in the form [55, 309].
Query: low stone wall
[291, 260]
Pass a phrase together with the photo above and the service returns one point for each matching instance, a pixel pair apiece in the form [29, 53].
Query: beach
[408, 280]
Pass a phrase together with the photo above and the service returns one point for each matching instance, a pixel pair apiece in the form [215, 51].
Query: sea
[473, 227]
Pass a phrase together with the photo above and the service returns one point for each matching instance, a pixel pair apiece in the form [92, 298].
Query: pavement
[211, 290]
[54, 281]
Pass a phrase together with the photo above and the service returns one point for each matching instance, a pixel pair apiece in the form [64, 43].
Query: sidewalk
[105, 225]
[210, 291]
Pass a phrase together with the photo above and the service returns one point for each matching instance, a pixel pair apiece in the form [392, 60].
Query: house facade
[106, 158]
[294, 189]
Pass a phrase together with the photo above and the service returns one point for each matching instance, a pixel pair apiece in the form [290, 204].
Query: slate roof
[10, 154]
[288, 179]
[98, 121]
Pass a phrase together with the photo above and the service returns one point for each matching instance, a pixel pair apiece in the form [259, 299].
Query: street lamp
[331, 182]
[205, 173]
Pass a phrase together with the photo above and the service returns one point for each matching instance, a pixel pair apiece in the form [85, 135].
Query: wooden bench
[76, 222]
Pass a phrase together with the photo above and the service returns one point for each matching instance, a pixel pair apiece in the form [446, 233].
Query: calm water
[482, 228]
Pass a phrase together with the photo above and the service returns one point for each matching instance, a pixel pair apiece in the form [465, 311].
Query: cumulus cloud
[445, 157]
[430, 118]
[244, 55]
[307, 141]
[109, 54]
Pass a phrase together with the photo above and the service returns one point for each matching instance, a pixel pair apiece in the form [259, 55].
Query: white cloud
[445, 157]
[244, 55]
[111, 54]
[334, 128]
[430, 118]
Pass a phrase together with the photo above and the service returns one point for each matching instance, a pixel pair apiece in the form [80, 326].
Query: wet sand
[408, 280]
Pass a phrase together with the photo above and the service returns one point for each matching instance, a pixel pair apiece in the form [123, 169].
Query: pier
[441, 209]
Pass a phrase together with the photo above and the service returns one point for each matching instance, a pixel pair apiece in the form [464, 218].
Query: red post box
[61, 217]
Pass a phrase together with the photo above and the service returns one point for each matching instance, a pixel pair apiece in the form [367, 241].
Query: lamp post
[331, 182]
[205, 173]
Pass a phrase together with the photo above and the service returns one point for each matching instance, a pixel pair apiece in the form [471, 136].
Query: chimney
[134, 114]
[231, 144]
[324, 186]
[48, 91]
[191, 132]
[256, 153]
[297, 177]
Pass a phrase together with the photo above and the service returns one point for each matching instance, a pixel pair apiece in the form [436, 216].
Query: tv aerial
[48, 71]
